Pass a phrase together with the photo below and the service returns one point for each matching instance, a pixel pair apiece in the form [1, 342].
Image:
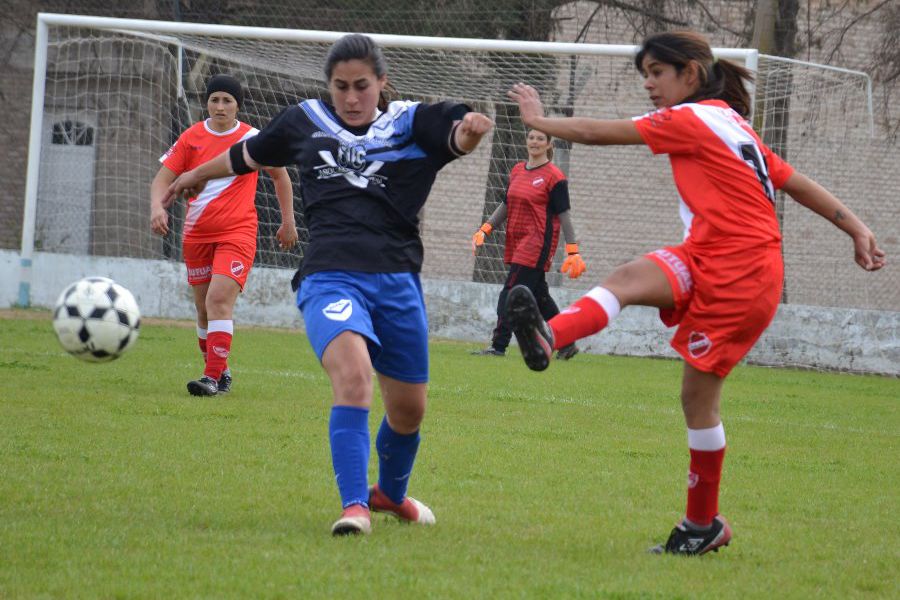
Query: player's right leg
[340, 331]
[198, 259]
[346, 360]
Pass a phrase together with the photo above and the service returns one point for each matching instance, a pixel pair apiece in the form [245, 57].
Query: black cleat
[224, 383]
[567, 352]
[691, 542]
[205, 386]
[532, 332]
[489, 351]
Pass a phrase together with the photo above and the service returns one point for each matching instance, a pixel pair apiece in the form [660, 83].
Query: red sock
[703, 485]
[585, 317]
[219, 345]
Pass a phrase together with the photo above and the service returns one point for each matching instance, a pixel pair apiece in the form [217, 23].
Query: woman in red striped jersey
[535, 208]
[220, 227]
[722, 285]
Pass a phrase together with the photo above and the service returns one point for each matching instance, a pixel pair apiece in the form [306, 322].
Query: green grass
[115, 483]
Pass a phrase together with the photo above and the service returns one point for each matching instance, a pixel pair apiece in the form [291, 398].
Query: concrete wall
[803, 336]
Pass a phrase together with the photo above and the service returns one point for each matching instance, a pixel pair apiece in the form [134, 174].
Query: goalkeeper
[536, 207]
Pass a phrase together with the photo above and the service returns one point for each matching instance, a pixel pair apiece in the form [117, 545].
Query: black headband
[225, 83]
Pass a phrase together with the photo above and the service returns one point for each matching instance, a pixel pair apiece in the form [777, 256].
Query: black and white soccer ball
[96, 319]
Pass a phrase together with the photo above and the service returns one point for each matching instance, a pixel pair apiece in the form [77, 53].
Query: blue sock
[396, 455]
[348, 430]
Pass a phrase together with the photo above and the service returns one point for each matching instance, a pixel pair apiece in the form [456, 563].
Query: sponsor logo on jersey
[339, 311]
[220, 351]
[699, 344]
[678, 268]
[237, 267]
[348, 164]
[693, 480]
[537, 182]
[198, 272]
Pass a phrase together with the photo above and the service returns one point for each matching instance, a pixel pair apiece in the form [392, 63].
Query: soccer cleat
[205, 386]
[691, 542]
[489, 351]
[355, 520]
[566, 352]
[532, 332]
[224, 383]
[409, 511]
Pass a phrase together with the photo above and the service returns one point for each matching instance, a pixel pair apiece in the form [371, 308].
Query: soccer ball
[96, 319]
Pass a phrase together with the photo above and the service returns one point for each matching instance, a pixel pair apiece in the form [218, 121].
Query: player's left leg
[397, 444]
[401, 325]
[702, 530]
[220, 298]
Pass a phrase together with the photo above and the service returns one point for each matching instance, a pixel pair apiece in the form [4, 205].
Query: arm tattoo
[839, 216]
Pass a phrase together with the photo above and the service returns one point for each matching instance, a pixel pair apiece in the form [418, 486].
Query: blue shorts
[388, 309]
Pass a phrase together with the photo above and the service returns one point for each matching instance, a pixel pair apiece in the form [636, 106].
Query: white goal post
[111, 95]
[164, 31]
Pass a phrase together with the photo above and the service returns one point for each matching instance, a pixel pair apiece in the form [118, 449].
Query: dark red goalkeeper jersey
[534, 199]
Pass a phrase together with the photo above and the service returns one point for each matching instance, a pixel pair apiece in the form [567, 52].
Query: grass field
[117, 484]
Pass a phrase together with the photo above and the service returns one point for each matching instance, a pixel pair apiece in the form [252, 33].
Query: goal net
[117, 93]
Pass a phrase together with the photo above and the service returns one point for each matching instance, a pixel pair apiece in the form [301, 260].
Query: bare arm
[191, 183]
[159, 194]
[284, 191]
[582, 130]
[813, 196]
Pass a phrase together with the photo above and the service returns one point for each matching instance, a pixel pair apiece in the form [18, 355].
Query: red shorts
[232, 258]
[722, 304]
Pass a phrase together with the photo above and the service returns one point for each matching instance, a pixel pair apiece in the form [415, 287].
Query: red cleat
[354, 520]
[410, 510]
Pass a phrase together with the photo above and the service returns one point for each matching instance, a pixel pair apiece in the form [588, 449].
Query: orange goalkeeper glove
[478, 238]
[573, 265]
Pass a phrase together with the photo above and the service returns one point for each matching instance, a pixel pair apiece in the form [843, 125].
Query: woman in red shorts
[722, 285]
[220, 226]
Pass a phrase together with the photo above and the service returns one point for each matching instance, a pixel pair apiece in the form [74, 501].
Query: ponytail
[719, 78]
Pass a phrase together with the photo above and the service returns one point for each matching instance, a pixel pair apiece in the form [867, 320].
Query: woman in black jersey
[366, 168]
[535, 209]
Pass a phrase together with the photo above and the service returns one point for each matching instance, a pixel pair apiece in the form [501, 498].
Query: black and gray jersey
[362, 187]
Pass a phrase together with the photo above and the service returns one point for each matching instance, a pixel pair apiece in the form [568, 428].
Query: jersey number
[750, 153]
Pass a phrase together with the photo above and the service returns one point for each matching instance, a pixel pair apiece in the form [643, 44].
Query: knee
[352, 383]
[217, 305]
[407, 418]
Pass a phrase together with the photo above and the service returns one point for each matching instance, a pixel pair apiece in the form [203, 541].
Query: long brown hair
[719, 78]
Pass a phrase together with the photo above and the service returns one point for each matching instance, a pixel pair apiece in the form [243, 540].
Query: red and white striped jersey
[725, 175]
[226, 208]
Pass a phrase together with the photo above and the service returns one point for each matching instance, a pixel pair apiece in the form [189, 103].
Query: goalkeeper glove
[478, 238]
[573, 265]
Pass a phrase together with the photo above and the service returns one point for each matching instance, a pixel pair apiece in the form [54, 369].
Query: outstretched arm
[575, 129]
[191, 183]
[284, 191]
[819, 200]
